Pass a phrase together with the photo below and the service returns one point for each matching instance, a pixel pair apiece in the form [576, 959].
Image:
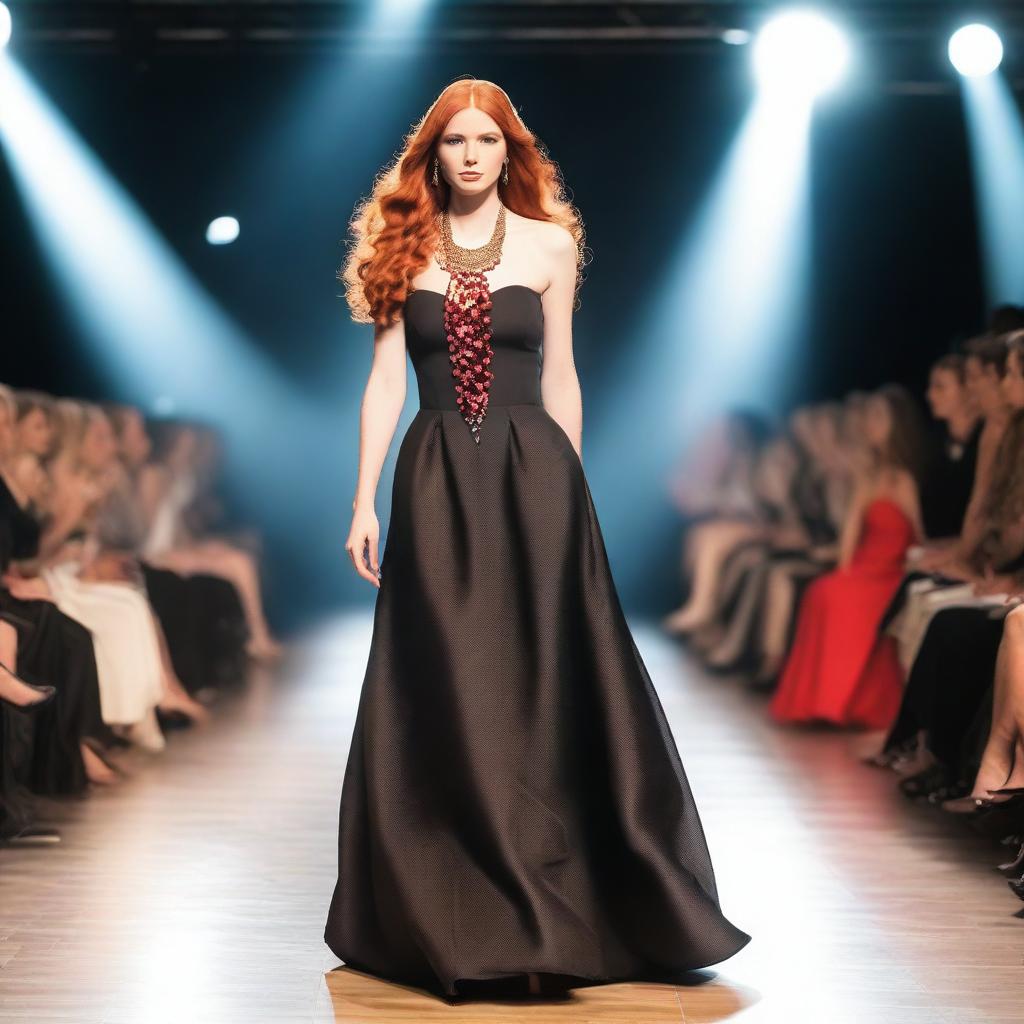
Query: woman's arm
[70, 498]
[559, 384]
[850, 533]
[910, 500]
[150, 489]
[952, 558]
[383, 399]
[974, 520]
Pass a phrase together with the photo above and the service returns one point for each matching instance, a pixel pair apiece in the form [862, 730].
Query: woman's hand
[935, 559]
[991, 584]
[364, 533]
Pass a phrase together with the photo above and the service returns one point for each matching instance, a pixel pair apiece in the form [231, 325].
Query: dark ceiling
[141, 28]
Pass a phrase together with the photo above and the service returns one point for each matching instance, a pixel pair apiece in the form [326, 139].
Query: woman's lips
[469, 175]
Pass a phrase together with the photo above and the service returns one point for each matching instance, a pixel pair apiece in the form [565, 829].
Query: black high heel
[48, 693]
[1013, 867]
[998, 819]
[1017, 886]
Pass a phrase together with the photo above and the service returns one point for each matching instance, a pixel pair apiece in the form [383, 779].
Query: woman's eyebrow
[490, 131]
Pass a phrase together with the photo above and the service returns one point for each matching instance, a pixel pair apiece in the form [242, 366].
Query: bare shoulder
[543, 233]
[556, 238]
[904, 480]
[900, 484]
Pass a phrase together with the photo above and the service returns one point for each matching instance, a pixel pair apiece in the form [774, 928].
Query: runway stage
[197, 891]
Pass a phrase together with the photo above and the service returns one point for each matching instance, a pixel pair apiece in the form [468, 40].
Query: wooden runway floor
[196, 891]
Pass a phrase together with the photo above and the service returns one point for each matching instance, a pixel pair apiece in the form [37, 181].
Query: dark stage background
[288, 143]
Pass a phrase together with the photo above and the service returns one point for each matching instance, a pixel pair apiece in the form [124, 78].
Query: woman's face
[946, 395]
[877, 422]
[983, 383]
[1013, 381]
[99, 445]
[471, 141]
[33, 433]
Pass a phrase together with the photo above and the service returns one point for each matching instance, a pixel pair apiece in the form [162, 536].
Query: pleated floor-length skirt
[513, 799]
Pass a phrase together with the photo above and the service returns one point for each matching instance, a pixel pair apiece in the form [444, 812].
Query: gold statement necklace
[467, 319]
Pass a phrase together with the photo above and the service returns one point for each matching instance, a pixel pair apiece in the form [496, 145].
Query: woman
[71, 742]
[201, 616]
[834, 450]
[954, 666]
[790, 549]
[838, 669]
[949, 479]
[167, 486]
[135, 672]
[513, 804]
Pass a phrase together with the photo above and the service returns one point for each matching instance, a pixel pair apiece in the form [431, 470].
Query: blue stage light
[222, 231]
[975, 50]
[802, 52]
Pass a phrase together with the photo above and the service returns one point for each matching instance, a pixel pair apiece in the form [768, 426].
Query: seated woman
[793, 549]
[839, 670]
[936, 578]
[717, 545]
[950, 472]
[168, 485]
[839, 453]
[1002, 760]
[714, 489]
[135, 672]
[200, 615]
[71, 742]
[954, 666]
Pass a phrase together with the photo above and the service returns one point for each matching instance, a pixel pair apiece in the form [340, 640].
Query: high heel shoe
[1017, 886]
[999, 818]
[1013, 867]
[101, 753]
[47, 693]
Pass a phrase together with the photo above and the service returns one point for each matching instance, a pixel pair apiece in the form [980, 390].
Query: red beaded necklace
[467, 321]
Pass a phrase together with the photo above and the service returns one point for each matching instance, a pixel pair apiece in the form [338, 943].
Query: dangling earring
[504, 173]
[436, 165]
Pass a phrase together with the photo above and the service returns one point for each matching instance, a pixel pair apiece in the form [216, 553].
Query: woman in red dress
[840, 669]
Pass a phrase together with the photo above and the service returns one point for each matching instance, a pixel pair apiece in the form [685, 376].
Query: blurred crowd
[125, 608]
[863, 568]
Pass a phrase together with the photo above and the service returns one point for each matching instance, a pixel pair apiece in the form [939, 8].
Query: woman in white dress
[135, 674]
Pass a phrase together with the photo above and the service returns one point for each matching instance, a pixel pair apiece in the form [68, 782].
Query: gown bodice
[517, 331]
[886, 534]
[19, 529]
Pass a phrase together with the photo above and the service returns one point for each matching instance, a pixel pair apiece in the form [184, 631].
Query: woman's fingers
[357, 551]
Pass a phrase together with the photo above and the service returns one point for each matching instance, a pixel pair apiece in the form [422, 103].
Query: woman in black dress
[514, 805]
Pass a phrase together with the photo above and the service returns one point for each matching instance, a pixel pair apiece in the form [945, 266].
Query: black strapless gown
[513, 800]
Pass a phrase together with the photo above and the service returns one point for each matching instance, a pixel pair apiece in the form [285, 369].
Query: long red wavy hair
[396, 229]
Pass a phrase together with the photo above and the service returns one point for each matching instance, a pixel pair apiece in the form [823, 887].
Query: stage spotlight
[222, 231]
[5, 25]
[975, 50]
[736, 36]
[802, 52]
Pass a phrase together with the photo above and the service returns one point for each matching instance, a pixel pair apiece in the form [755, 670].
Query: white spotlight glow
[5, 25]
[222, 231]
[975, 50]
[800, 51]
[736, 36]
